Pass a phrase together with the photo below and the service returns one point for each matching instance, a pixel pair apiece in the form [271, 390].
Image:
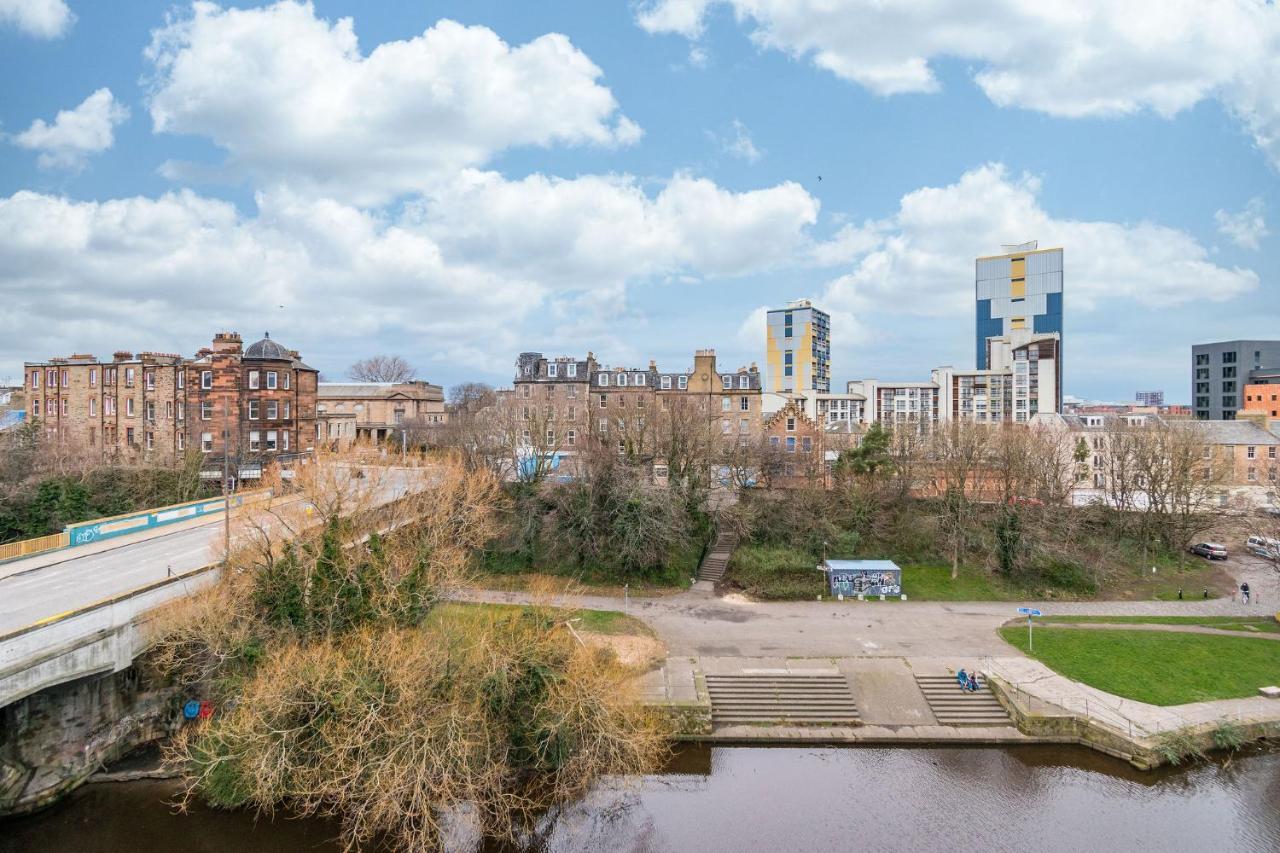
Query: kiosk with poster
[862, 577]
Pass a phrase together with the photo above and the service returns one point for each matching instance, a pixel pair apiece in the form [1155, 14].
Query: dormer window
[571, 370]
[551, 370]
[638, 380]
[744, 381]
[684, 382]
[603, 380]
[666, 383]
[727, 381]
[622, 380]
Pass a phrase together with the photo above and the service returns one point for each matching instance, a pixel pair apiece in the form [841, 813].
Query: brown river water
[797, 799]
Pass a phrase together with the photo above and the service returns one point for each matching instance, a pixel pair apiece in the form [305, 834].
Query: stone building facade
[349, 412]
[158, 406]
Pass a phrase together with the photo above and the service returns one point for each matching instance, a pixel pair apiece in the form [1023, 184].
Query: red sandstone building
[159, 406]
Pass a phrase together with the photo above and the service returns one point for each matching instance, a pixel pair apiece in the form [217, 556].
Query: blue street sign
[1029, 611]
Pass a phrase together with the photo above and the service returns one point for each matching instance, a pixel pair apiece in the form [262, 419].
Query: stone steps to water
[953, 706]
[804, 700]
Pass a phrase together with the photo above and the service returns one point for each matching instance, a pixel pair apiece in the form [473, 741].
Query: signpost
[1030, 613]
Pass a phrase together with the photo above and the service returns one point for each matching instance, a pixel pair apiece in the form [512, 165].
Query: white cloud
[45, 19]
[290, 97]
[75, 134]
[599, 229]
[1085, 58]
[478, 261]
[920, 260]
[1246, 228]
[739, 145]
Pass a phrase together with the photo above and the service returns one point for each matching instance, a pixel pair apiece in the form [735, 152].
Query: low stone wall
[1143, 752]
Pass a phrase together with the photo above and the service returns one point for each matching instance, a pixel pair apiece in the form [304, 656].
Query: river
[1052, 799]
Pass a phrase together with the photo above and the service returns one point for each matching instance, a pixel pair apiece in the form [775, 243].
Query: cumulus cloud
[75, 134]
[46, 19]
[290, 97]
[1246, 228]
[920, 260]
[474, 262]
[1089, 58]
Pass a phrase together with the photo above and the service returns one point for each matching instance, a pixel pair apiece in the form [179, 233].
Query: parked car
[1264, 546]
[1209, 550]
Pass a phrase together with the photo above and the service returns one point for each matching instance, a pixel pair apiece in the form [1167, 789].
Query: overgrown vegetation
[1157, 667]
[43, 487]
[343, 689]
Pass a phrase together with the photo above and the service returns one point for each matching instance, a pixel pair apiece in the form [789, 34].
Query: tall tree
[381, 368]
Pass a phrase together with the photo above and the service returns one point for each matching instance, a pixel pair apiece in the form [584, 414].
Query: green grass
[1223, 623]
[779, 573]
[511, 569]
[1160, 668]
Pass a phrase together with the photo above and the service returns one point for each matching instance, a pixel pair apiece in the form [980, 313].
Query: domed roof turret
[267, 350]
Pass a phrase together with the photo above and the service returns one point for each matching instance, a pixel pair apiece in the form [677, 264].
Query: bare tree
[468, 398]
[381, 368]
[959, 452]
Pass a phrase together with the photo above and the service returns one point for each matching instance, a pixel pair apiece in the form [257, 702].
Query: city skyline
[705, 167]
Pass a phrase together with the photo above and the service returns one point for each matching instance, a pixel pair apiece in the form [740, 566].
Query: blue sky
[639, 180]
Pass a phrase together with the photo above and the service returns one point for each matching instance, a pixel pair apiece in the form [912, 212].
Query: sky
[457, 182]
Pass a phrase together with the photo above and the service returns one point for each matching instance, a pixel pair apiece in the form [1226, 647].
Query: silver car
[1209, 550]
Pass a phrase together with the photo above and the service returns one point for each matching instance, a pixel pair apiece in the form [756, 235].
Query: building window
[1271, 452]
[551, 438]
[571, 369]
[35, 379]
[109, 405]
[64, 405]
[284, 437]
[151, 410]
[151, 440]
[149, 377]
[35, 408]
[255, 440]
[253, 410]
[1251, 452]
[638, 380]
[666, 383]
[206, 379]
[182, 376]
[128, 377]
[622, 380]
[128, 436]
[182, 411]
[683, 382]
[725, 404]
[604, 426]
[791, 424]
[744, 404]
[571, 414]
[1229, 372]
[253, 379]
[93, 376]
[806, 444]
[524, 391]
[1228, 402]
[206, 442]
[285, 413]
[791, 444]
[271, 440]
[128, 407]
[551, 370]
[1228, 358]
[604, 401]
[206, 410]
[788, 368]
[93, 407]
[181, 442]
[1202, 358]
[1253, 473]
[66, 377]
[273, 411]
[51, 378]
[773, 442]
[744, 381]
[726, 381]
[273, 380]
[571, 437]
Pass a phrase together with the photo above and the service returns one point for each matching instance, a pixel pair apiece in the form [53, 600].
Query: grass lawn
[1160, 668]
[1224, 623]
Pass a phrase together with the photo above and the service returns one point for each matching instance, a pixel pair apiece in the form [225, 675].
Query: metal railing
[38, 545]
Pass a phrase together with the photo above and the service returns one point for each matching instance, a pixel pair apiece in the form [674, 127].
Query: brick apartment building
[157, 406]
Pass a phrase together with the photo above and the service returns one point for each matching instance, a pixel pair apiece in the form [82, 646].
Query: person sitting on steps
[962, 678]
[973, 682]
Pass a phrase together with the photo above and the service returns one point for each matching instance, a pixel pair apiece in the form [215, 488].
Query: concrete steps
[717, 558]
[798, 700]
[955, 707]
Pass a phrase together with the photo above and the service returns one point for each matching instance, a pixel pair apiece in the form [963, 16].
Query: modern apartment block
[1019, 291]
[1220, 371]
[159, 405]
[798, 348]
[918, 405]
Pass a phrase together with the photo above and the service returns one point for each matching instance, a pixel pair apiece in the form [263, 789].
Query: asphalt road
[48, 590]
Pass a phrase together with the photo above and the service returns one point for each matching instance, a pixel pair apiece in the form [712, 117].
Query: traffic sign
[1029, 611]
